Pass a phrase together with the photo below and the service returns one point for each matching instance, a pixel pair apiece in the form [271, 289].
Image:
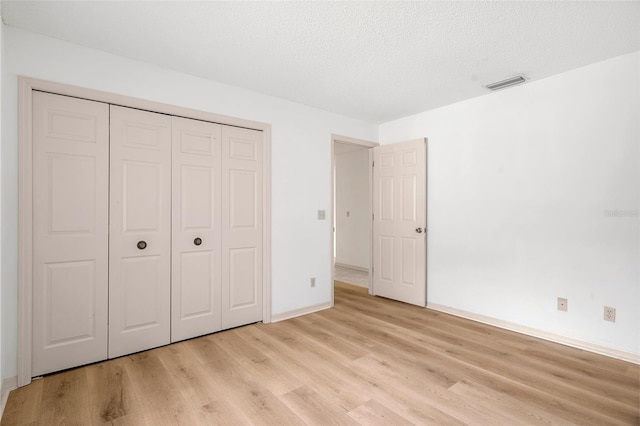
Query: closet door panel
[241, 226]
[140, 231]
[196, 219]
[70, 232]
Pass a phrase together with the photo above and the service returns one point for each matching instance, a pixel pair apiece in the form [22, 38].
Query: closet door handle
[197, 241]
[419, 230]
[142, 245]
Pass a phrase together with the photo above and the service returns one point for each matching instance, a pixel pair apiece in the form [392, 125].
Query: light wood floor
[367, 361]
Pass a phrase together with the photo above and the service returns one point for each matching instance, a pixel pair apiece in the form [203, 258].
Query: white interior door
[241, 226]
[70, 232]
[399, 222]
[140, 231]
[196, 218]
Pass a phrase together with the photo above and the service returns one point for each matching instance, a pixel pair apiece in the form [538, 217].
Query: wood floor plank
[156, 390]
[427, 366]
[503, 363]
[368, 360]
[634, 372]
[249, 397]
[513, 410]
[314, 409]
[276, 377]
[374, 413]
[111, 400]
[450, 408]
[64, 399]
[204, 395]
[323, 375]
[23, 406]
[406, 402]
[341, 349]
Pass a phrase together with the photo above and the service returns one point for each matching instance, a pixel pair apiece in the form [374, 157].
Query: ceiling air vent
[506, 83]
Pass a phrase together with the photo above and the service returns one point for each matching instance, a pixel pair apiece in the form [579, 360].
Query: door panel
[399, 205]
[71, 177]
[386, 188]
[142, 297]
[243, 285]
[197, 209]
[197, 297]
[141, 181]
[70, 232]
[243, 201]
[140, 231]
[241, 226]
[61, 280]
[196, 269]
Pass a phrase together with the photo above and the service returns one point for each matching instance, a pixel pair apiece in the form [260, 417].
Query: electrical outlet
[563, 304]
[313, 282]
[609, 314]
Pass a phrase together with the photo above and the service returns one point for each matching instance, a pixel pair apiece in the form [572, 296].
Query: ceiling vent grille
[519, 79]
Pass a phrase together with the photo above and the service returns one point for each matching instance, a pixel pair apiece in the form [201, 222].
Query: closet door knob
[142, 245]
[197, 241]
[419, 230]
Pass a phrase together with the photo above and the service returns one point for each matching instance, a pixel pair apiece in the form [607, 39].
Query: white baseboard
[357, 268]
[299, 312]
[556, 338]
[8, 385]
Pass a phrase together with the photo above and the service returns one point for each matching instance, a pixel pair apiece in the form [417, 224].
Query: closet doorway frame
[26, 87]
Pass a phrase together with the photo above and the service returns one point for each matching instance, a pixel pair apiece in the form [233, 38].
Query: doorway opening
[351, 211]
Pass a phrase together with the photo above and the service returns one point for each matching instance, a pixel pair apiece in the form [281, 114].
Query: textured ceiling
[374, 61]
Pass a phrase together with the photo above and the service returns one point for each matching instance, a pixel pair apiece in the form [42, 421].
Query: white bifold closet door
[147, 229]
[140, 231]
[196, 229]
[70, 232]
[241, 226]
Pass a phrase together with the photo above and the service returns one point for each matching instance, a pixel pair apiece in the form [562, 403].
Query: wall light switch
[322, 214]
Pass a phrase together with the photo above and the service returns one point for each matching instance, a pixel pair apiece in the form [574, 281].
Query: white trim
[357, 268]
[369, 144]
[299, 312]
[353, 141]
[8, 384]
[266, 226]
[370, 286]
[26, 86]
[25, 221]
[556, 338]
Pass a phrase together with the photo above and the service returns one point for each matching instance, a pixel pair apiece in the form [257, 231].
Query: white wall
[520, 183]
[352, 196]
[301, 159]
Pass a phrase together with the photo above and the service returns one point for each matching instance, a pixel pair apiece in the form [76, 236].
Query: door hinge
[373, 164]
[373, 216]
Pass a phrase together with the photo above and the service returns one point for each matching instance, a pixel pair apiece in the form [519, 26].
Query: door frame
[352, 141]
[26, 87]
